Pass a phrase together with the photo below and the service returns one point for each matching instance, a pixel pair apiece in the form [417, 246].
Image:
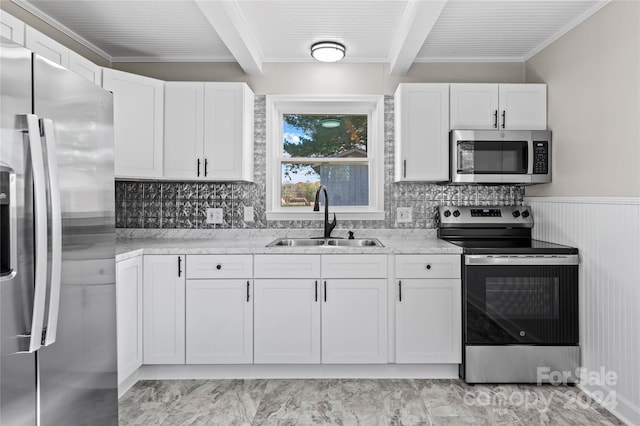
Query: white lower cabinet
[129, 316]
[287, 321]
[354, 321]
[428, 309]
[164, 309]
[311, 314]
[219, 315]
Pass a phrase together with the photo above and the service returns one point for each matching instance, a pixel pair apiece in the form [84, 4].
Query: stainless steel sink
[356, 242]
[321, 242]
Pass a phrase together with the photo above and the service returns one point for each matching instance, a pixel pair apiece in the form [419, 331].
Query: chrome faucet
[328, 227]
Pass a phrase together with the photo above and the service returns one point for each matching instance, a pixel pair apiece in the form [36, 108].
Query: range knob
[447, 213]
[525, 214]
[516, 213]
[456, 213]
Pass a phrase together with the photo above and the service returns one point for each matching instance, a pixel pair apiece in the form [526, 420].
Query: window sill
[319, 216]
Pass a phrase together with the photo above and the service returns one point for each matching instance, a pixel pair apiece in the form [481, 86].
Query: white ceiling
[252, 32]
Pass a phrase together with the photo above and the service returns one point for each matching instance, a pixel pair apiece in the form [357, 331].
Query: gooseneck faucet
[328, 227]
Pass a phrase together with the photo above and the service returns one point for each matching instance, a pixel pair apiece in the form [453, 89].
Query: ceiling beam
[229, 22]
[417, 22]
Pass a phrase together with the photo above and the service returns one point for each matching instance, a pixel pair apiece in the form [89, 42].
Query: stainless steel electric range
[520, 297]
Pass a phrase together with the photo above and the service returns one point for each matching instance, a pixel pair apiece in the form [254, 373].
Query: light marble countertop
[255, 243]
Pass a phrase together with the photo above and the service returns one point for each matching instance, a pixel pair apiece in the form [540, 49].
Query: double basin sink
[325, 242]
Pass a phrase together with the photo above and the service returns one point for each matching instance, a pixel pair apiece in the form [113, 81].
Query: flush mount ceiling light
[328, 51]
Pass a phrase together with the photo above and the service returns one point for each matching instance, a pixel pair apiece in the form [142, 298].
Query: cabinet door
[428, 321]
[422, 132]
[523, 106]
[129, 316]
[354, 321]
[137, 121]
[46, 47]
[164, 309]
[11, 28]
[474, 106]
[228, 131]
[287, 321]
[219, 327]
[85, 68]
[183, 130]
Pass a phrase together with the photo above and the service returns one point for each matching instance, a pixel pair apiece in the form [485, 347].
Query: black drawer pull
[428, 266]
[218, 267]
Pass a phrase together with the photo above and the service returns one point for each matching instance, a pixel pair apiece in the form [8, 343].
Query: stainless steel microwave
[500, 156]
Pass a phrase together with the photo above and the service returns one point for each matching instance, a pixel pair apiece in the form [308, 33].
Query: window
[332, 141]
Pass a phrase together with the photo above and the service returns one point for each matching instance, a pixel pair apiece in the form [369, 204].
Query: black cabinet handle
[404, 168]
[428, 266]
[325, 291]
[247, 291]
[206, 163]
[218, 267]
[495, 119]
[316, 290]
[179, 265]
[504, 118]
[198, 171]
[399, 291]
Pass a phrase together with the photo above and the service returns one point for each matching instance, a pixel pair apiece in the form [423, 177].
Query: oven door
[521, 300]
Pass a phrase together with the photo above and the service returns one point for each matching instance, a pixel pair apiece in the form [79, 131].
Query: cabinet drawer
[287, 266]
[204, 266]
[354, 266]
[428, 266]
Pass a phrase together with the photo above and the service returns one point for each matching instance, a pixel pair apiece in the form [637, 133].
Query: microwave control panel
[540, 157]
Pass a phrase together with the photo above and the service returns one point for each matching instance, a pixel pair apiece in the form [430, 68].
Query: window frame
[371, 105]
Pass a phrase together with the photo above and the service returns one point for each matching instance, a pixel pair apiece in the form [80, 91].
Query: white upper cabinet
[85, 68]
[46, 47]
[138, 114]
[523, 106]
[208, 131]
[422, 132]
[11, 28]
[183, 130]
[228, 131]
[499, 106]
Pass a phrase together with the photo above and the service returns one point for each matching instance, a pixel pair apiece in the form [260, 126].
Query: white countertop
[256, 244]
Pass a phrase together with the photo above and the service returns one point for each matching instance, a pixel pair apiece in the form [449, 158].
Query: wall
[332, 78]
[182, 205]
[593, 78]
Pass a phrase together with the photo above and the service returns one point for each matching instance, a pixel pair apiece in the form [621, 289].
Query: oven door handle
[507, 260]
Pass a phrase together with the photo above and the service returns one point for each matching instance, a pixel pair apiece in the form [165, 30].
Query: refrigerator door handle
[40, 208]
[49, 142]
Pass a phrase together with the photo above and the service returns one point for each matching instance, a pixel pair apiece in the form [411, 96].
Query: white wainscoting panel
[607, 233]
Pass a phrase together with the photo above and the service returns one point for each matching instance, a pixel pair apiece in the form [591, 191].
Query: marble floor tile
[354, 402]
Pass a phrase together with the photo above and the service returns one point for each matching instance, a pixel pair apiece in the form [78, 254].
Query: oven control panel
[517, 216]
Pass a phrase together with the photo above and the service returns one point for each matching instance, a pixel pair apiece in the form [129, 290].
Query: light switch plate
[248, 213]
[404, 214]
[214, 215]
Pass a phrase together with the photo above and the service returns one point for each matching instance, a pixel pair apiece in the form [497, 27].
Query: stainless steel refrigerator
[57, 285]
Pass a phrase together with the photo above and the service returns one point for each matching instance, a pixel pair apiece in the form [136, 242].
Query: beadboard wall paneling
[607, 232]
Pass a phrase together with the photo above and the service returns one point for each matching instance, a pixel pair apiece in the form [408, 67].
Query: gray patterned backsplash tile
[183, 205]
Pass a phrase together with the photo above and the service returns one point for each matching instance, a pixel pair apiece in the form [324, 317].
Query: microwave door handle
[56, 230]
[530, 157]
[40, 212]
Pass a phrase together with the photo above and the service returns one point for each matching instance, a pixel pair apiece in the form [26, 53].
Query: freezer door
[17, 366]
[77, 372]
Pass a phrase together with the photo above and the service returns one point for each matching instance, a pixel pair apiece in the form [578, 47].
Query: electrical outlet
[214, 215]
[404, 214]
[248, 213]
